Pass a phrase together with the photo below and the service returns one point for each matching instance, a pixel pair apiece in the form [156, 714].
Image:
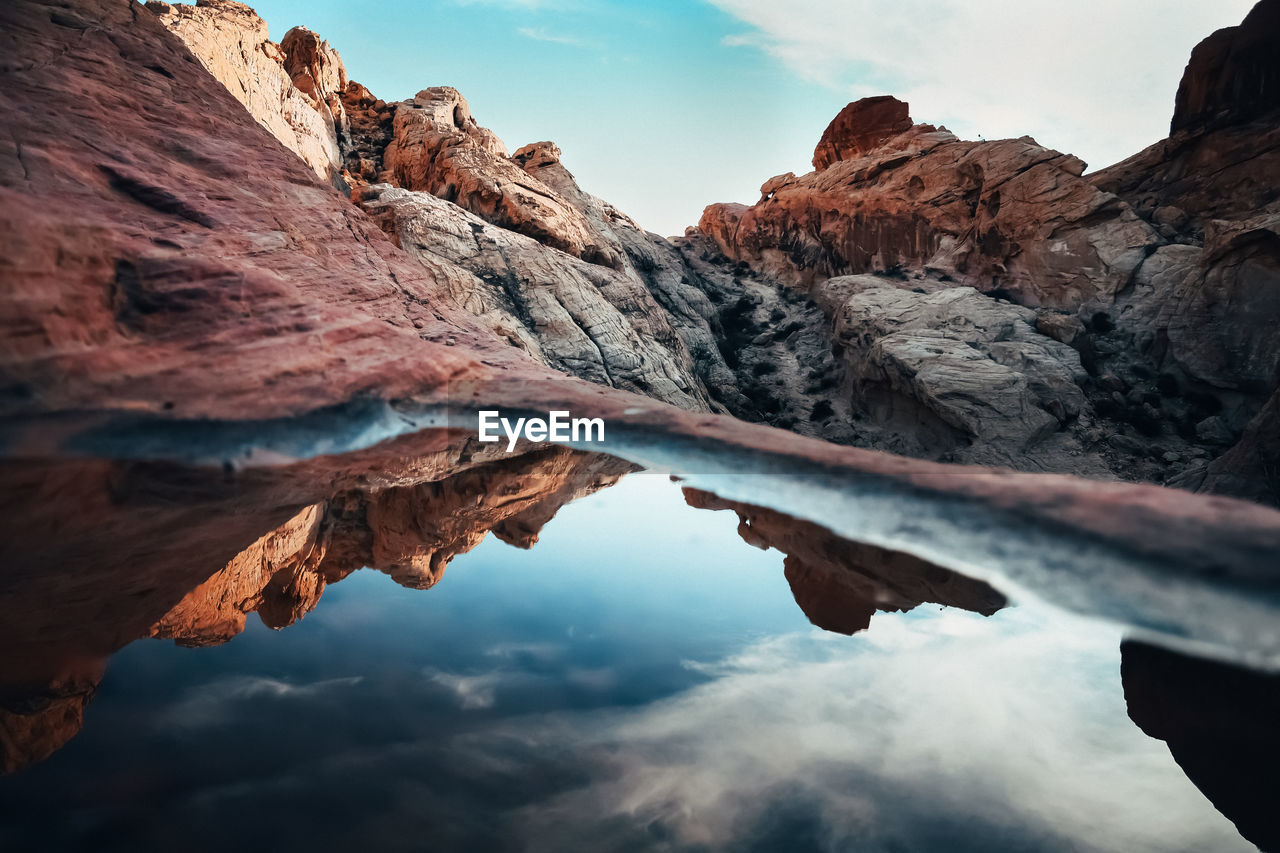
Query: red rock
[1006, 215]
[1233, 75]
[173, 278]
[230, 40]
[861, 127]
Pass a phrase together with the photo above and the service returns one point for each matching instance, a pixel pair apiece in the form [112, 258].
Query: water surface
[641, 678]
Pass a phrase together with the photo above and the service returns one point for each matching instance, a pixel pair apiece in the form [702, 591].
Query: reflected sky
[640, 679]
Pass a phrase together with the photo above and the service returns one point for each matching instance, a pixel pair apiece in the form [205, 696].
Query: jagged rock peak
[861, 127]
[313, 64]
[1233, 75]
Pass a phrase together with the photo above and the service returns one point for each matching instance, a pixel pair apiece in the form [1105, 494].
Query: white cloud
[214, 703]
[541, 34]
[474, 692]
[1094, 77]
[1019, 731]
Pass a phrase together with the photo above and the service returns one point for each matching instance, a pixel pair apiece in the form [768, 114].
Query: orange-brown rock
[439, 148]
[860, 128]
[282, 563]
[35, 723]
[409, 532]
[316, 70]
[134, 549]
[177, 284]
[1008, 215]
[231, 41]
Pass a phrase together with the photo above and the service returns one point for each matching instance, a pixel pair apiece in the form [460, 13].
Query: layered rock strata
[292, 88]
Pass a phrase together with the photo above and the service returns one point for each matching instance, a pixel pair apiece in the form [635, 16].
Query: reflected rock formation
[99, 554]
[1222, 725]
[839, 583]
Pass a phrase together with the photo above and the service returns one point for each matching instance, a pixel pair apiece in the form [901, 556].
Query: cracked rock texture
[1007, 215]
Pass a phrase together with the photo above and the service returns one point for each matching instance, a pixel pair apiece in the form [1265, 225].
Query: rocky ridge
[1160, 272]
[743, 315]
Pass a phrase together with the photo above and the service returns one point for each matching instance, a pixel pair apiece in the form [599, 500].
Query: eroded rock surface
[1167, 305]
[138, 550]
[231, 41]
[409, 532]
[594, 322]
[1162, 272]
[859, 128]
[1006, 215]
[956, 372]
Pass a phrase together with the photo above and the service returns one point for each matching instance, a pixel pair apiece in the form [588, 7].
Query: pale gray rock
[960, 371]
[591, 321]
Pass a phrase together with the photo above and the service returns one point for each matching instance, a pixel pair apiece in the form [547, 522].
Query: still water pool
[640, 679]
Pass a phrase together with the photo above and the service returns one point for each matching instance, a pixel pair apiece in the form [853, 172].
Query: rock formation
[178, 284]
[841, 584]
[290, 88]
[136, 556]
[408, 532]
[1233, 75]
[1008, 216]
[954, 372]
[861, 127]
[1162, 272]
[513, 240]
[739, 316]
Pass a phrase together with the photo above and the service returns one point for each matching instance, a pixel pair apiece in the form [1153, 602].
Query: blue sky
[664, 107]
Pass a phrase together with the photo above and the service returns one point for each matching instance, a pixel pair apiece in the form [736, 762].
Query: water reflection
[1222, 724]
[639, 680]
[840, 584]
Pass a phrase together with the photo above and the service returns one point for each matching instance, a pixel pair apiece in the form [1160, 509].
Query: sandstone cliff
[289, 88]
[1161, 273]
[744, 315]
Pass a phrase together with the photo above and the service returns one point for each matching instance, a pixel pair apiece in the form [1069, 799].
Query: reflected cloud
[861, 747]
[474, 692]
[215, 703]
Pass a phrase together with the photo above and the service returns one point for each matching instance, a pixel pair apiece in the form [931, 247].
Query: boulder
[1233, 76]
[861, 127]
[956, 372]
